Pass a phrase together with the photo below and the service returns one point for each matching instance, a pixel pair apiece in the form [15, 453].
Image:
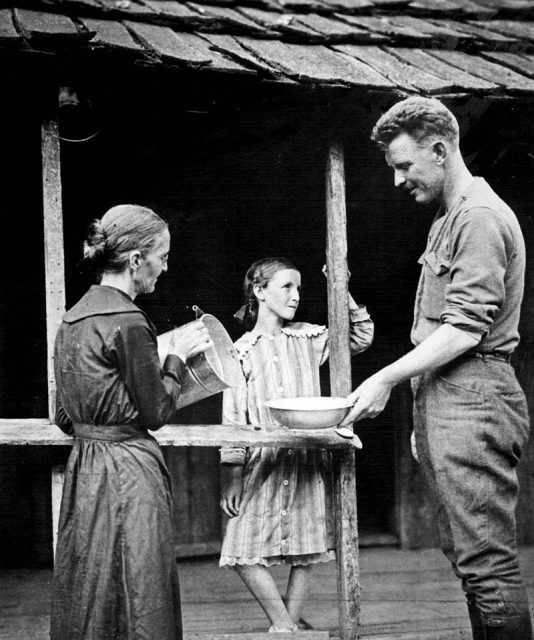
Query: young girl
[277, 498]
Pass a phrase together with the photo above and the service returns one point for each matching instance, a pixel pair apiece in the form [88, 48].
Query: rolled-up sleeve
[480, 249]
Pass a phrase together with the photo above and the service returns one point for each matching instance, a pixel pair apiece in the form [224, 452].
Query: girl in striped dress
[278, 499]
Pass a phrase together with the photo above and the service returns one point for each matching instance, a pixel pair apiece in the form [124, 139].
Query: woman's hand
[232, 491]
[190, 340]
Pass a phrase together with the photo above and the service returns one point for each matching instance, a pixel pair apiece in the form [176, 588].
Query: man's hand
[369, 399]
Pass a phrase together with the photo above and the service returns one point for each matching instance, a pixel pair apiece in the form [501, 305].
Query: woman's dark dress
[115, 570]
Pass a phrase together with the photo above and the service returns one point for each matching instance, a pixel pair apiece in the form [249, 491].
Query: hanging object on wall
[78, 121]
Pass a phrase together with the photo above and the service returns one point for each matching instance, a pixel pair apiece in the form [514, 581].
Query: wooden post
[53, 244]
[348, 574]
[58, 476]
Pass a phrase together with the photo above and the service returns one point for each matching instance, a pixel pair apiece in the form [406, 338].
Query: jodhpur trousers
[471, 425]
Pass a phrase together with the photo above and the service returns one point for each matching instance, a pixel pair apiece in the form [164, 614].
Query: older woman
[115, 571]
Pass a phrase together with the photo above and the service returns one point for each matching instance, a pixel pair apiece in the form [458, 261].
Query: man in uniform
[470, 414]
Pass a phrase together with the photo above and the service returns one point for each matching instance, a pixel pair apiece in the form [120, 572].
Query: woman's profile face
[153, 264]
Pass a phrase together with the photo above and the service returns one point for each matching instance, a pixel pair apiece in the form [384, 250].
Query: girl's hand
[325, 272]
[231, 496]
[352, 304]
[190, 340]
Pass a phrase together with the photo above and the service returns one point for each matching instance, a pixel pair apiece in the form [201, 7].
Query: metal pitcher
[206, 373]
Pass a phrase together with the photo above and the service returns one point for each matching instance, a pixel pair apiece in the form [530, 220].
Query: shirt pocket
[437, 276]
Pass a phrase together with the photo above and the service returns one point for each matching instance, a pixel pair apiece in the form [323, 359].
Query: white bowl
[315, 412]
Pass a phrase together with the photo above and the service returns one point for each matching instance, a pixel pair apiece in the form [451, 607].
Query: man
[470, 414]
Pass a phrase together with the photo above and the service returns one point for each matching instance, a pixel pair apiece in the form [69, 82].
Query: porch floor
[408, 595]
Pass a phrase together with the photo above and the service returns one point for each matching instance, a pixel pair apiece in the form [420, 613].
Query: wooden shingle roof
[432, 47]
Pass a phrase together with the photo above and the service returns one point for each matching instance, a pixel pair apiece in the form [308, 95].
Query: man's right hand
[369, 399]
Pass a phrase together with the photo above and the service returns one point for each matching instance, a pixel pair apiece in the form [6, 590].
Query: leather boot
[477, 627]
[516, 628]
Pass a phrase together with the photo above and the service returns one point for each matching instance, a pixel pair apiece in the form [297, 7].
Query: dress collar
[101, 300]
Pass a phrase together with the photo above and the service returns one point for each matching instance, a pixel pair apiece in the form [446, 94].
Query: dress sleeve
[235, 412]
[154, 390]
[361, 333]
[362, 329]
[62, 419]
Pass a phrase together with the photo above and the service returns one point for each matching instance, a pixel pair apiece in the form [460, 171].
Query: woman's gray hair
[121, 230]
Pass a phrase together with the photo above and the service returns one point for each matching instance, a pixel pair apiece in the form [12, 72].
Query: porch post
[348, 574]
[53, 240]
[54, 271]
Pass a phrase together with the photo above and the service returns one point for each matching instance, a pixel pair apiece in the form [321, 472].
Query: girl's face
[153, 264]
[281, 295]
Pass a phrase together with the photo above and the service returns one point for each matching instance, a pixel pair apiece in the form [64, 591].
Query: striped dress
[285, 513]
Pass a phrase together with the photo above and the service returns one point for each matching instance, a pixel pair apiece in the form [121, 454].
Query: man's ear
[439, 149]
[135, 260]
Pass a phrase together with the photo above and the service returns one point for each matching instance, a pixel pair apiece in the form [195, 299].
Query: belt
[488, 355]
[109, 432]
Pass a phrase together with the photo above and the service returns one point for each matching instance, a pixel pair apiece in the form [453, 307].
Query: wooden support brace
[58, 477]
[53, 245]
[341, 385]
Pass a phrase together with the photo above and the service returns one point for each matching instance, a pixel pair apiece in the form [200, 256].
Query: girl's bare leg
[263, 587]
[297, 590]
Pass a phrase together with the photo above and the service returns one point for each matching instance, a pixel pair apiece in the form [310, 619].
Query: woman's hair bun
[95, 241]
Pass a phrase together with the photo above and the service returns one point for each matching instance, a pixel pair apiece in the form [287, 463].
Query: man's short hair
[420, 118]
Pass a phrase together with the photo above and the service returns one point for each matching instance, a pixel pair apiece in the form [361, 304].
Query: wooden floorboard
[406, 595]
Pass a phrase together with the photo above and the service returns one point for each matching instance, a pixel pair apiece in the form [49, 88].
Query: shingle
[8, 34]
[337, 29]
[112, 34]
[232, 48]
[460, 80]
[439, 31]
[517, 29]
[315, 63]
[169, 45]
[227, 17]
[400, 73]
[384, 26]
[53, 27]
[522, 63]
[508, 79]
[280, 22]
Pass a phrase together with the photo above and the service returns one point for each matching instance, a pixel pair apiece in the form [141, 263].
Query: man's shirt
[473, 271]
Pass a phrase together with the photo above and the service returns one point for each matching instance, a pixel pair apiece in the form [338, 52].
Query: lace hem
[298, 560]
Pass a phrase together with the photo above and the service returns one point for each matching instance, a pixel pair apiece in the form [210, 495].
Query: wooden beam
[39, 432]
[259, 635]
[348, 574]
[53, 244]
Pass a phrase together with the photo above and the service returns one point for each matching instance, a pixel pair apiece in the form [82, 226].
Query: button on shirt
[472, 271]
